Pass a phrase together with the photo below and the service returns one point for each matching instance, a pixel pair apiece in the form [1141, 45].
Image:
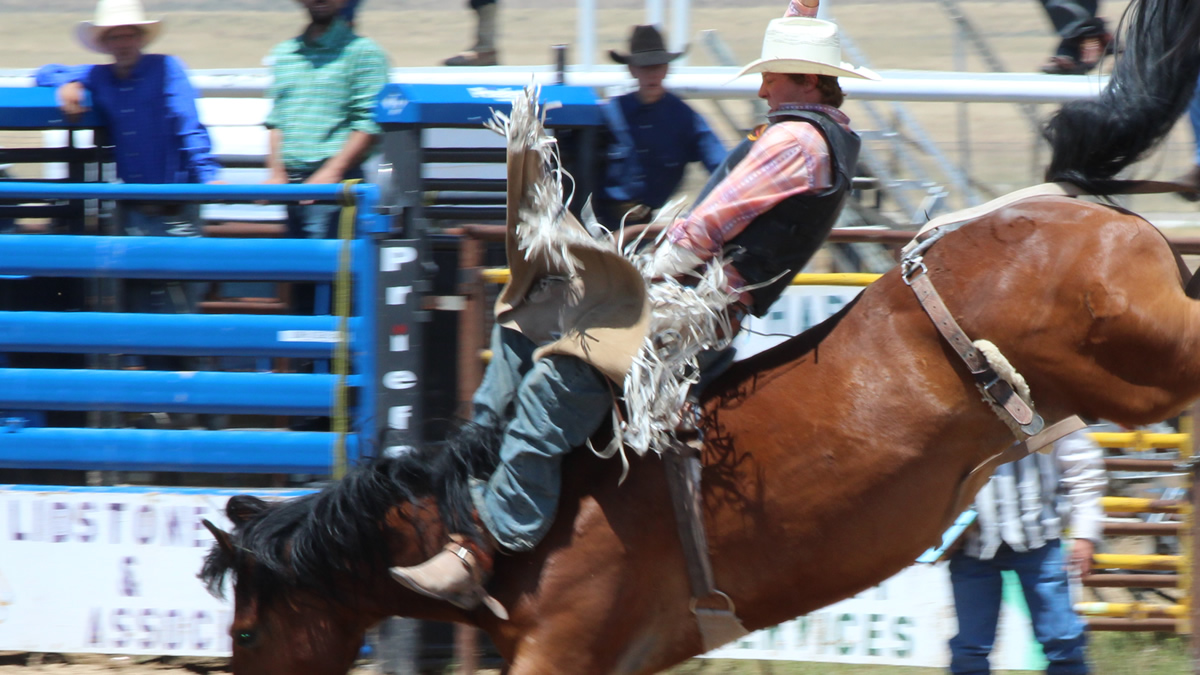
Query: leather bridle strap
[989, 381]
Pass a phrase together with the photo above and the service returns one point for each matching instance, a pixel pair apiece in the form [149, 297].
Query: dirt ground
[893, 35]
[12, 663]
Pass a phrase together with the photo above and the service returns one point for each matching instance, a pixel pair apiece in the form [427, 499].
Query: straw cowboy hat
[646, 48]
[802, 45]
[113, 13]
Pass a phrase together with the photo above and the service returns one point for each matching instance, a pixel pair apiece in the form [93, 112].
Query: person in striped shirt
[1024, 512]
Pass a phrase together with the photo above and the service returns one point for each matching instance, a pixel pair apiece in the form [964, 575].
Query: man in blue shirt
[652, 135]
[146, 102]
[148, 108]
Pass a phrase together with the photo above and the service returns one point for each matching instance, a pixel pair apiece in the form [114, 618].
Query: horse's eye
[244, 638]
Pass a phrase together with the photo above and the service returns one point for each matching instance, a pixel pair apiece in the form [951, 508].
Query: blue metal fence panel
[170, 450]
[181, 334]
[37, 108]
[194, 192]
[273, 451]
[442, 105]
[170, 258]
[168, 391]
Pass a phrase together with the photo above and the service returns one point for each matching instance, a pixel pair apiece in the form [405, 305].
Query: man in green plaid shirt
[322, 123]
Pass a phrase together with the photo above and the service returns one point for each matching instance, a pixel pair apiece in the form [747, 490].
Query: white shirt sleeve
[1083, 478]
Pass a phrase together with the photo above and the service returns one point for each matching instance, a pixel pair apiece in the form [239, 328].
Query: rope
[341, 308]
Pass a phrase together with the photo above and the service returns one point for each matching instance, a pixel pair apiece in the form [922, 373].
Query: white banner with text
[113, 570]
[110, 570]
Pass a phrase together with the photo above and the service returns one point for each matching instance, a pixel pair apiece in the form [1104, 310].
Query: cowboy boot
[456, 574]
[484, 51]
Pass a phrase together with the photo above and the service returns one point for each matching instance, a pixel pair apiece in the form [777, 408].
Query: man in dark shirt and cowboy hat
[652, 135]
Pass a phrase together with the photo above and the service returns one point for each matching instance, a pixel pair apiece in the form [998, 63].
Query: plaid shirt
[323, 90]
[789, 157]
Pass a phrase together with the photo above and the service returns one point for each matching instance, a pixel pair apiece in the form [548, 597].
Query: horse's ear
[241, 508]
[222, 537]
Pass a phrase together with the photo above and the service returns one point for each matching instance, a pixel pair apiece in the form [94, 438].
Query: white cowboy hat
[113, 13]
[801, 45]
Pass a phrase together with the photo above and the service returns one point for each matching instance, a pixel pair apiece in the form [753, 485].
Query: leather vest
[778, 243]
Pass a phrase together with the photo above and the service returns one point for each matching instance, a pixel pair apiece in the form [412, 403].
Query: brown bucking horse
[830, 461]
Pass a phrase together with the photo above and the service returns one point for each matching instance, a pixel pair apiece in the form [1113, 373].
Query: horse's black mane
[785, 352]
[1152, 81]
[316, 540]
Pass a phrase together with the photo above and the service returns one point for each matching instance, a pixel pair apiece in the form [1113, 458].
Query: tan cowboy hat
[646, 48]
[113, 13]
[802, 45]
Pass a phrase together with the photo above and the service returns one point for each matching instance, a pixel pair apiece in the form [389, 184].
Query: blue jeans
[557, 403]
[314, 221]
[977, 588]
[157, 296]
[153, 296]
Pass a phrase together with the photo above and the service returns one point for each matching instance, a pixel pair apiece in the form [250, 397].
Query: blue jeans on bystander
[314, 221]
[977, 588]
[156, 296]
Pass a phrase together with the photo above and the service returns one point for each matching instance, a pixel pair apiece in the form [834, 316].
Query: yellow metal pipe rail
[1143, 505]
[1131, 610]
[500, 275]
[1138, 440]
[1126, 561]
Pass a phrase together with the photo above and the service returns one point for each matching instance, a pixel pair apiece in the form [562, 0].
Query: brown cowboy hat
[646, 48]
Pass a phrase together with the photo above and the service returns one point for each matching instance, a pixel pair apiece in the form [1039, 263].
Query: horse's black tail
[1152, 81]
